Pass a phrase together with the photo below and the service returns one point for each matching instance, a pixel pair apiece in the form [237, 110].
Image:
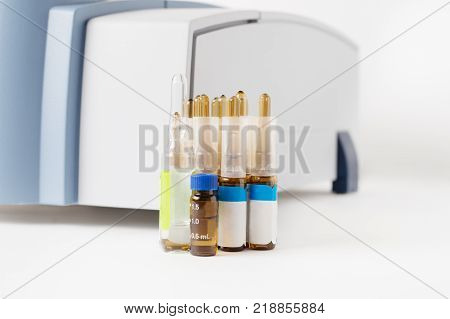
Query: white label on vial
[232, 224]
[262, 222]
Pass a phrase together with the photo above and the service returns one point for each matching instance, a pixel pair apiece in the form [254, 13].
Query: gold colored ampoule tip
[196, 108]
[264, 105]
[204, 105]
[188, 108]
[223, 104]
[215, 108]
[243, 103]
[232, 108]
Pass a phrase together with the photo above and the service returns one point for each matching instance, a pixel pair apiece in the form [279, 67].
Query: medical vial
[175, 188]
[216, 121]
[263, 211]
[232, 192]
[232, 214]
[262, 185]
[164, 209]
[205, 136]
[248, 137]
[204, 212]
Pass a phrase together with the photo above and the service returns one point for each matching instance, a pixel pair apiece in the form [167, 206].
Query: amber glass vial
[232, 192]
[270, 181]
[262, 188]
[239, 184]
[204, 211]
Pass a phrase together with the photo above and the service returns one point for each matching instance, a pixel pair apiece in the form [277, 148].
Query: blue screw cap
[204, 182]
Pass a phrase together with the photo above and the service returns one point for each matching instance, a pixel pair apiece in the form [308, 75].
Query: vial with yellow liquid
[175, 190]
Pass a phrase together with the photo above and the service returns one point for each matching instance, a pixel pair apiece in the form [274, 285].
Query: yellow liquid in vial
[170, 246]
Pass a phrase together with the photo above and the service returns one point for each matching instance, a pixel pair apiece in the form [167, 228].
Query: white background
[402, 209]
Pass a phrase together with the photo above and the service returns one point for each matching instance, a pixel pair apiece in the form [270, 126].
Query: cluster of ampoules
[219, 191]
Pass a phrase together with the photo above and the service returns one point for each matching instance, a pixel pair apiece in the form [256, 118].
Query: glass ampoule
[262, 186]
[175, 212]
[232, 192]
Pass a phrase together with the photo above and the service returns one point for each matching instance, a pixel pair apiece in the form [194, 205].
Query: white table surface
[407, 220]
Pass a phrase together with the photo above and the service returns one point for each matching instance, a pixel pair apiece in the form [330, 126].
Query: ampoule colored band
[232, 216]
[262, 192]
[263, 214]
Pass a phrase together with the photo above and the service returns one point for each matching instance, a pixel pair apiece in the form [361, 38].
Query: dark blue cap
[204, 182]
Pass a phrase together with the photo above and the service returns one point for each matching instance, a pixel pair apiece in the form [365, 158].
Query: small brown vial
[269, 181]
[204, 211]
[234, 182]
